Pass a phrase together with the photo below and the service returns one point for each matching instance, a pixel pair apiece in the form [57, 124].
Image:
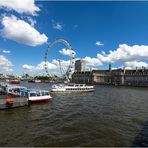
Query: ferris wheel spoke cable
[65, 73]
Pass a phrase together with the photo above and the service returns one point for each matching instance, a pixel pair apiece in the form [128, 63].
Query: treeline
[45, 78]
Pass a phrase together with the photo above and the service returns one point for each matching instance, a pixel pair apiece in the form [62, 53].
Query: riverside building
[127, 77]
[80, 66]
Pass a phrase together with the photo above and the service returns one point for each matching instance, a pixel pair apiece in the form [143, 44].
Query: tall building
[80, 66]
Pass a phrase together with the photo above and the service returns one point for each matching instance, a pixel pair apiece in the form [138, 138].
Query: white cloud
[6, 69]
[32, 21]
[103, 58]
[129, 53]
[21, 32]
[38, 67]
[92, 61]
[50, 66]
[53, 67]
[67, 52]
[20, 6]
[57, 26]
[6, 51]
[98, 43]
[62, 62]
[134, 64]
[125, 53]
[4, 61]
[5, 64]
[28, 67]
[103, 52]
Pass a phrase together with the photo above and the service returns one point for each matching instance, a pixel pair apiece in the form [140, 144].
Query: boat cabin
[13, 90]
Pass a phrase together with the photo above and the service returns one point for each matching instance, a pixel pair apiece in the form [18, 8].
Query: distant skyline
[100, 32]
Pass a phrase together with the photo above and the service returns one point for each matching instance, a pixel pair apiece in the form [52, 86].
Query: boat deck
[17, 102]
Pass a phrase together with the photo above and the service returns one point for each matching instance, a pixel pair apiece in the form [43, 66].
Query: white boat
[72, 88]
[13, 90]
[35, 81]
[37, 95]
[33, 95]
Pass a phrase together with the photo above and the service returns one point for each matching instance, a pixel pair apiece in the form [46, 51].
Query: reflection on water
[111, 116]
[141, 139]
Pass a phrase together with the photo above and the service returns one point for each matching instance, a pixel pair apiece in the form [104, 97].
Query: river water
[111, 116]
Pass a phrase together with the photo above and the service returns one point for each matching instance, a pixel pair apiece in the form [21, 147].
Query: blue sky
[100, 32]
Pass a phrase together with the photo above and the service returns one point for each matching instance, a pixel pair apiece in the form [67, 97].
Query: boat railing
[37, 92]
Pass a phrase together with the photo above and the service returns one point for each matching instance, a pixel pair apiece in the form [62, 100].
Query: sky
[100, 32]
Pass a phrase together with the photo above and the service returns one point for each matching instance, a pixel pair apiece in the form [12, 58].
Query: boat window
[43, 93]
[70, 85]
[17, 90]
[10, 90]
[38, 93]
[46, 93]
[26, 94]
[32, 94]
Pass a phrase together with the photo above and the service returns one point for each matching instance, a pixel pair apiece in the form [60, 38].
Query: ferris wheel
[66, 72]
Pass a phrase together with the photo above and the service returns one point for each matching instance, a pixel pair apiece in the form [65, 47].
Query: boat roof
[70, 84]
[36, 90]
[16, 86]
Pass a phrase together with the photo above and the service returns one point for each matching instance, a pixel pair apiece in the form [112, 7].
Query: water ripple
[112, 116]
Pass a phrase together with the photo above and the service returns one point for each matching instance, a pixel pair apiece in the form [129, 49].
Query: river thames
[111, 116]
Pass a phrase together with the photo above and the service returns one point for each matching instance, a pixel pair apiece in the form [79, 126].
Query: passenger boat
[13, 90]
[14, 81]
[37, 95]
[72, 88]
[34, 81]
[33, 95]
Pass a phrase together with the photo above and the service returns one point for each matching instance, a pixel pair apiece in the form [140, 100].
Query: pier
[14, 102]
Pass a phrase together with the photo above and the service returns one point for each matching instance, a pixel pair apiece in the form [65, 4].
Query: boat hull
[14, 82]
[66, 91]
[39, 99]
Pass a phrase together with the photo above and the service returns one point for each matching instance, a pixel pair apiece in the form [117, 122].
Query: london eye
[65, 71]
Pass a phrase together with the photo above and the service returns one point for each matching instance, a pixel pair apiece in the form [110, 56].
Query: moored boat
[34, 81]
[14, 81]
[72, 88]
[13, 90]
[33, 95]
[37, 95]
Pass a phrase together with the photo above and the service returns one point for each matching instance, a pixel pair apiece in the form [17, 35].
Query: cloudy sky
[99, 32]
